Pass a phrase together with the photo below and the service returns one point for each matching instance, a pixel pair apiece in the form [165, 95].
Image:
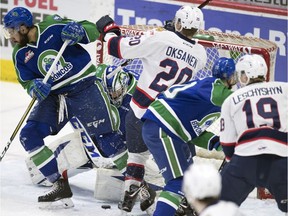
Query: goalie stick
[33, 100]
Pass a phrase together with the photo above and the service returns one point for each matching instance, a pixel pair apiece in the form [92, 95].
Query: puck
[106, 206]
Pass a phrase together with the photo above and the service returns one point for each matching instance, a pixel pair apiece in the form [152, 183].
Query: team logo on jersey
[28, 56]
[58, 18]
[45, 61]
[200, 126]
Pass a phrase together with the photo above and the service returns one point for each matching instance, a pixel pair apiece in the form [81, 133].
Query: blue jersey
[185, 111]
[34, 60]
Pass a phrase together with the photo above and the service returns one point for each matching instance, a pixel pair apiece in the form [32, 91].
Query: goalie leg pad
[69, 153]
[109, 185]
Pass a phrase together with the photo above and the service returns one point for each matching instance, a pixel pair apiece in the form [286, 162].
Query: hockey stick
[33, 100]
[204, 4]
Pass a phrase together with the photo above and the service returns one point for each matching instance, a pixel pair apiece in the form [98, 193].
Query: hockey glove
[73, 32]
[169, 25]
[39, 89]
[214, 143]
[106, 24]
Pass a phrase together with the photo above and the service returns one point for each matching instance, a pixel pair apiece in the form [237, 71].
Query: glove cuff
[112, 27]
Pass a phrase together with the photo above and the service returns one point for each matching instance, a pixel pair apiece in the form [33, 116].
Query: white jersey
[168, 58]
[254, 120]
[222, 208]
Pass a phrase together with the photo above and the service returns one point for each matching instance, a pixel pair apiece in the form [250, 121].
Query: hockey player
[177, 116]
[168, 58]
[65, 93]
[202, 187]
[253, 135]
[119, 84]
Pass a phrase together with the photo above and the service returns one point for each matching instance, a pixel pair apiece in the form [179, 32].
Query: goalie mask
[189, 17]
[253, 66]
[116, 83]
[15, 18]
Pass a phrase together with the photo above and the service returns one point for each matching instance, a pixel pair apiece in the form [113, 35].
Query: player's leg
[173, 157]
[41, 123]
[90, 104]
[93, 117]
[277, 181]
[137, 157]
[233, 175]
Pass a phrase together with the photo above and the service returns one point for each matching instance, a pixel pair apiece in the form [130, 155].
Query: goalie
[103, 150]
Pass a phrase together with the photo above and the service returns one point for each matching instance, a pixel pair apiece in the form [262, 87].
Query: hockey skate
[60, 191]
[146, 194]
[184, 209]
[129, 198]
[147, 197]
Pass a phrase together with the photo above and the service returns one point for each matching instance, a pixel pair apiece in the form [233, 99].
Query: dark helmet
[223, 68]
[18, 16]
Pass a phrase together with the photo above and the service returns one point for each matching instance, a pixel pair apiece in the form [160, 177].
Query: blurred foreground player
[202, 187]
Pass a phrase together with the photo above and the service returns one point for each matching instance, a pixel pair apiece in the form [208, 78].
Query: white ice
[19, 195]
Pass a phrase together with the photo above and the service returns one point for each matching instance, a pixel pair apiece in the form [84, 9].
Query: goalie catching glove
[106, 24]
[39, 90]
[72, 32]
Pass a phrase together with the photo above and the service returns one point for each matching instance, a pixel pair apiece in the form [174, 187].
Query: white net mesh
[217, 45]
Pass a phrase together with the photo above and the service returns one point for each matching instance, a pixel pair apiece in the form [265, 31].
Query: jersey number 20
[174, 68]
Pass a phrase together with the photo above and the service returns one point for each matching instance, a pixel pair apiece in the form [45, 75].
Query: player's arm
[228, 135]
[126, 47]
[207, 140]
[219, 93]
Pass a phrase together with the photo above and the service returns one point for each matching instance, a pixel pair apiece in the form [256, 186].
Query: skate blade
[59, 204]
[151, 209]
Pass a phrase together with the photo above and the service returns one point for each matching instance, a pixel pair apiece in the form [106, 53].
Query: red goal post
[217, 45]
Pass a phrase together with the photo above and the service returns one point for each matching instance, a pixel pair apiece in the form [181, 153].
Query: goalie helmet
[189, 17]
[253, 66]
[16, 17]
[116, 82]
[223, 68]
[201, 181]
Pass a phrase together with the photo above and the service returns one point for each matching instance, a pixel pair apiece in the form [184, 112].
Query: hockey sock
[167, 203]
[46, 162]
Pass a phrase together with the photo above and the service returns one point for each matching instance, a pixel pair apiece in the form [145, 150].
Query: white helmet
[201, 181]
[252, 65]
[189, 17]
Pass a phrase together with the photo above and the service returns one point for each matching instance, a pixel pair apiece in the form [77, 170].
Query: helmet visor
[9, 32]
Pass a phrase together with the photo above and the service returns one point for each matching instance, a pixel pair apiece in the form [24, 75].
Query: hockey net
[217, 44]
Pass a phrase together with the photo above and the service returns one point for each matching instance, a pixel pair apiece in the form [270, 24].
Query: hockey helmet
[223, 68]
[116, 82]
[189, 17]
[15, 18]
[253, 66]
[201, 181]
[18, 16]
